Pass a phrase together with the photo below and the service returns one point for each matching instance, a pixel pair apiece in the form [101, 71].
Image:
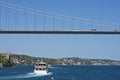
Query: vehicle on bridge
[94, 30]
[115, 30]
[75, 29]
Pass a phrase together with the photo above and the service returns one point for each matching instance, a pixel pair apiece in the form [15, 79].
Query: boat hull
[40, 72]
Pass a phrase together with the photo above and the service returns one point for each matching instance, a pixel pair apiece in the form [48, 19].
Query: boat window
[36, 68]
[43, 68]
[42, 64]
[40, 68]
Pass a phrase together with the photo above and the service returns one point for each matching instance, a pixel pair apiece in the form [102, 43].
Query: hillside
[25, 59]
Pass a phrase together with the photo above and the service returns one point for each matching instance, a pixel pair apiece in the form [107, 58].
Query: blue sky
[57, 46]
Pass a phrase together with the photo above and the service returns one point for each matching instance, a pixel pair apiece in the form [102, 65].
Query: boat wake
[28, 75]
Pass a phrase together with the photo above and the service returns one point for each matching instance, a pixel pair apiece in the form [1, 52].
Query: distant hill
[25, 59]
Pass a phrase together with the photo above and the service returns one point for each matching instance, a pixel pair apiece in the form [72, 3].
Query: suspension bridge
[16, 19]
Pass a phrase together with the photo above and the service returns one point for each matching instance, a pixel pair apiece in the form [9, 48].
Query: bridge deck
[56, 32]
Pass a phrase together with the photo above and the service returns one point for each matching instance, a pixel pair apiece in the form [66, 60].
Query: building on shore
[1, 65]
[6, 55]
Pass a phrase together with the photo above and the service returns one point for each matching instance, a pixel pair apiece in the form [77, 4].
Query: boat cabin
[41, 66]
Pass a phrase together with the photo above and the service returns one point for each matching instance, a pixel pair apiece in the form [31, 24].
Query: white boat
[41, 68]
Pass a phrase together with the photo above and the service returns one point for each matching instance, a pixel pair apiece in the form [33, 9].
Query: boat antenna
[41, 60]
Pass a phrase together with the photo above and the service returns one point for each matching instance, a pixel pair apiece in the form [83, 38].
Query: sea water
[58, 72]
